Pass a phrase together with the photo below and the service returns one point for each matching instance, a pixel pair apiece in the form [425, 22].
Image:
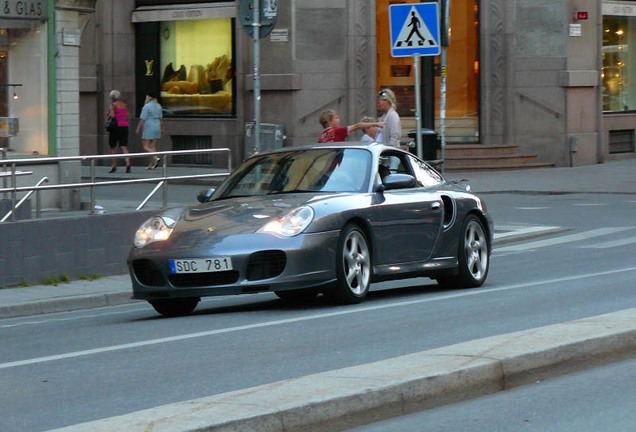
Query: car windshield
[317, 170]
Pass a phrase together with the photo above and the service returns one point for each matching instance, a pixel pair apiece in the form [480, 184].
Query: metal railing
[38, 206]
[162, 180]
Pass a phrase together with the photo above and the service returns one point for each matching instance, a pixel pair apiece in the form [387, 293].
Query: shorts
[118, 135]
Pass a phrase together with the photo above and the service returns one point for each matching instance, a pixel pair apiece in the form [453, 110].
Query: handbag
[111, 124]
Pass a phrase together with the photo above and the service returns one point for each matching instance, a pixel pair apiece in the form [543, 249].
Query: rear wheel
[473, 256]
[353, 267]
[175, 307]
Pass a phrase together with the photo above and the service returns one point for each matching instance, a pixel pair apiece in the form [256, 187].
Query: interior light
[619, 32]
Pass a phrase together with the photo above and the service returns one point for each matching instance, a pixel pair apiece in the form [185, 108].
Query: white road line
[611, 244]
[589, 204]
[531, 208]
[561, 240]
[511, 231]
[347, 311]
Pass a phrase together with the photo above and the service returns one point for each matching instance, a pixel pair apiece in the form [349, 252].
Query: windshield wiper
[293, 191]
[232, 196]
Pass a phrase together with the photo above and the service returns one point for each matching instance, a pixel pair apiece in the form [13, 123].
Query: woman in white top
[392, 130]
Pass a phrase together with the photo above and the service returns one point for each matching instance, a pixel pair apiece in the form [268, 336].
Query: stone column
[69, 18]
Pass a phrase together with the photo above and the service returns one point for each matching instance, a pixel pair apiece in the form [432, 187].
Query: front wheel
[175, 307]
[353, 267]
[473, 256]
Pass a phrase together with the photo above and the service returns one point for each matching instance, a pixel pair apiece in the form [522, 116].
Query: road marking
[561, 240]
[532, 208]
[589, 204]
[611, 244]
[347, 311]
[516, 231]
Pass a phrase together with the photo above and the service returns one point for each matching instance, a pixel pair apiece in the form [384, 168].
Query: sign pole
[256, 26]
[442, 109]
[414, 33]
[442, 87]
[418, 104]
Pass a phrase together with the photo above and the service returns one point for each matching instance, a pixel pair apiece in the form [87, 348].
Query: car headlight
[293, 223]
[157, 228]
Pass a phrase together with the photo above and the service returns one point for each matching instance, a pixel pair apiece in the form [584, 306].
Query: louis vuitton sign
[23, 9]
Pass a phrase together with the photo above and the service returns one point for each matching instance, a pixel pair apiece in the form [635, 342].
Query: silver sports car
[304, 221]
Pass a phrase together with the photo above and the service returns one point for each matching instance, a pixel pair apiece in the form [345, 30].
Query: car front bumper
[260, 263]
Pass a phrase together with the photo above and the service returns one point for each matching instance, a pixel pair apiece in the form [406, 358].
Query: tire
[175, 307]
[473, 256]
[353, 267]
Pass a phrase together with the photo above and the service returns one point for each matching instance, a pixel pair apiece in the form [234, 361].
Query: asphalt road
[81, 366]
[599, 399]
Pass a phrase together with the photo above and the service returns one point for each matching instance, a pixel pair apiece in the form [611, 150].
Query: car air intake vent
[147, 273]
[266, 264]
[204, 279]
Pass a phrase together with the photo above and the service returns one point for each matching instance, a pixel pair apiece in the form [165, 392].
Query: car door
[411, 218]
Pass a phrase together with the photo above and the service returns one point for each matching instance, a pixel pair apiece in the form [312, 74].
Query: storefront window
[23, 86]
[619, 62]
[196, 67]
[462, 79]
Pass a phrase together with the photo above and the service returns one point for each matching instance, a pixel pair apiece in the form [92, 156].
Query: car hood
[240, 215]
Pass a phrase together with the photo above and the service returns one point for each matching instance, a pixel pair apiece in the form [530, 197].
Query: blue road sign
[414, 29]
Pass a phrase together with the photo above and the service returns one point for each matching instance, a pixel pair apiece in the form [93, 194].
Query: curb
[358, 395]
[65, 304]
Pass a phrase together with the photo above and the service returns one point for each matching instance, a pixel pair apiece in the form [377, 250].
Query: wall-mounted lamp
[15, 93]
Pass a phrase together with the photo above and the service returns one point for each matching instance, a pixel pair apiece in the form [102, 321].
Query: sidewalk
[618, 177]
[610, 177]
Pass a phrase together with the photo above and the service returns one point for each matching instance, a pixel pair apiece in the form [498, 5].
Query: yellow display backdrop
[196, 64]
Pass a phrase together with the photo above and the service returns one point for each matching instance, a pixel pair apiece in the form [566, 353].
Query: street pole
[418, 105]
[442, 109]
[442, 87]
[256, 25]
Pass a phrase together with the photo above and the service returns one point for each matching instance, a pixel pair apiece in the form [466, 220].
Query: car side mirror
[378, 187]
[205, 195]
[398, 181]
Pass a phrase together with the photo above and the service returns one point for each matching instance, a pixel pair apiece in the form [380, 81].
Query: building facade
[553, 77]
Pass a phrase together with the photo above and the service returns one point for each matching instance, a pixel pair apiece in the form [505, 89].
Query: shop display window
[23, 87]
[619, 63]
[196, 67]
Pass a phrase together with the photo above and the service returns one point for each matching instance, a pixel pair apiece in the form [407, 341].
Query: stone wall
[33, 250]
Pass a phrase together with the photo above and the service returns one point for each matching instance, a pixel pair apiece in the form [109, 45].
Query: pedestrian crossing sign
[414, 29]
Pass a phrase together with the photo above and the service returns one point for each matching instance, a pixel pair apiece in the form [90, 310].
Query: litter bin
[430, 143]
[271, 137]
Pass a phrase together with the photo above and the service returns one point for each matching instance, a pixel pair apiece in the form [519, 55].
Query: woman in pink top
[119, 111]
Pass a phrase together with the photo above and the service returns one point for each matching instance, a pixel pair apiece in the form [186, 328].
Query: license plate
[200, 265]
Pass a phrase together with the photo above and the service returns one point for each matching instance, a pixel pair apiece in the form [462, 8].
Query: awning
[184, 12]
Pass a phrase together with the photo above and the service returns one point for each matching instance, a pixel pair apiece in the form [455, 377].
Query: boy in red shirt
[333, 132]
